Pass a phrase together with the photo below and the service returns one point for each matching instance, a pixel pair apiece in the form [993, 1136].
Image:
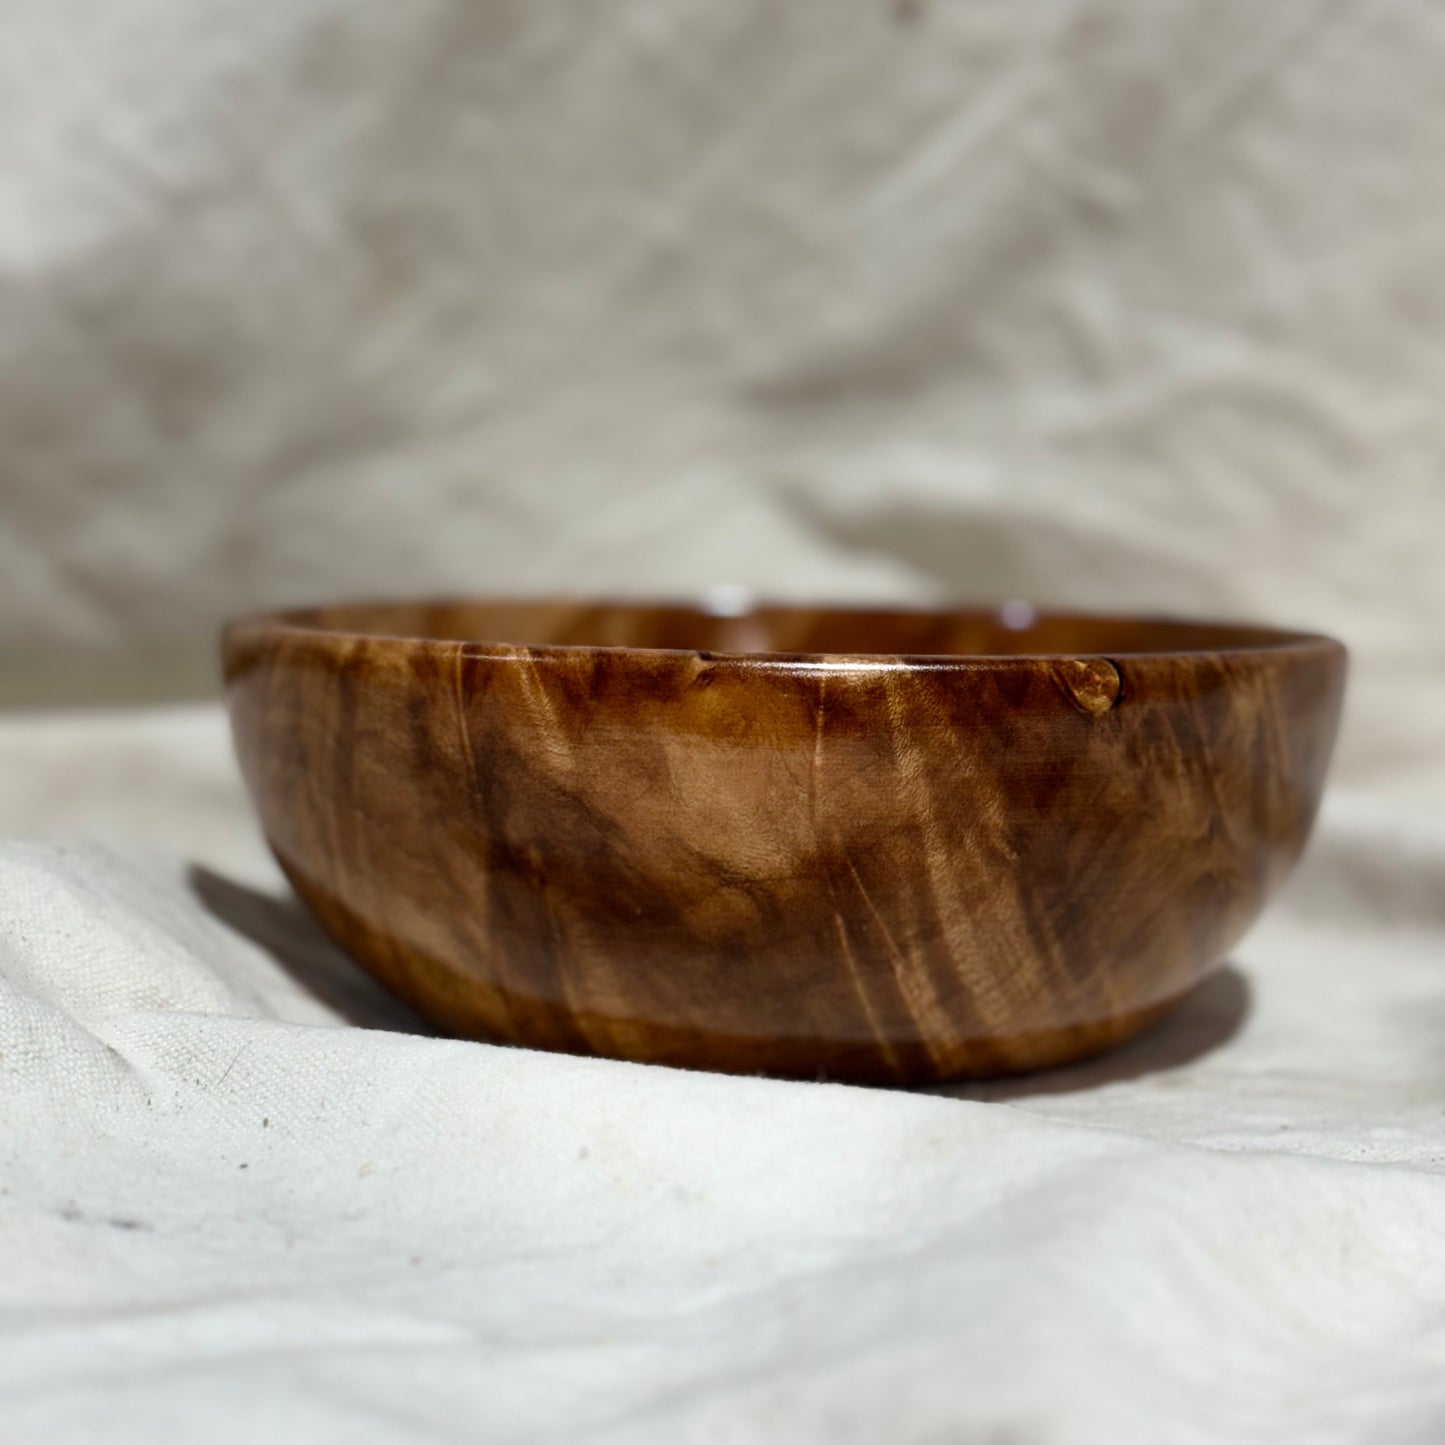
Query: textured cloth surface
[245, 1192]
[1094, 302]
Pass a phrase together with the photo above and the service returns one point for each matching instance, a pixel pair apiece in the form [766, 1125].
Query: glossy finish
[878, 846]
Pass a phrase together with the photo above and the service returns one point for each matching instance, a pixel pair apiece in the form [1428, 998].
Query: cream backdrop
[1101, 303]
[1106, 303]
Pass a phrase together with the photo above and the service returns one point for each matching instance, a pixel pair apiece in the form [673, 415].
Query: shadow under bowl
[882, 846]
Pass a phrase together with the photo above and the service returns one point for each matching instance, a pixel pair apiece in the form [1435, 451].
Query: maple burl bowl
[888, 846]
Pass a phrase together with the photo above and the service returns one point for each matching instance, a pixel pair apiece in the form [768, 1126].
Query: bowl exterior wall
[843, 867]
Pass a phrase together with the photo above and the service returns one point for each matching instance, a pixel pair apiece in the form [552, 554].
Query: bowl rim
[1215, 637]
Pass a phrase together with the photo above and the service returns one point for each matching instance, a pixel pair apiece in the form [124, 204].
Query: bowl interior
[733, 626]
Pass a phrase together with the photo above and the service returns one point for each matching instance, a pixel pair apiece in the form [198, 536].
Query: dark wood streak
[897, 846]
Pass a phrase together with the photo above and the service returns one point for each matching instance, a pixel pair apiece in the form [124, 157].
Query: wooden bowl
[867, 845]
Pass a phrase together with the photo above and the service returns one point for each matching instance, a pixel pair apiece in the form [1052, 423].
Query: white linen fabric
[244, 1193]
[1092, 302]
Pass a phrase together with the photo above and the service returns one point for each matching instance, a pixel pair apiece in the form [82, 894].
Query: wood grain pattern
[883, 846]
